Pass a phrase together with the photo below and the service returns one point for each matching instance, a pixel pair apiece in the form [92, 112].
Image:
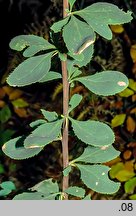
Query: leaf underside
[13, 151]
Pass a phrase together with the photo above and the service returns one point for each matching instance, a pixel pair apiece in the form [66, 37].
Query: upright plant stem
[65, 181]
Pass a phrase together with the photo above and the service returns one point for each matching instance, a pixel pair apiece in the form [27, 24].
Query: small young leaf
[50, 76]
[13, 151]
[62, 56]
[130, 185]
[34, 42]
[118, 120]
[67, 170]
[50, 116]
[100, 15]
[88, 197]
[72, 71]
[8, 185]
[97, 155]
[114, 81]
[30, 71]
[46, 187]
[43, 135]
[76, 191]
[76, 33]
[74, 102]
[57, 26]
[87, 131]
[71, 2]
[96, 178]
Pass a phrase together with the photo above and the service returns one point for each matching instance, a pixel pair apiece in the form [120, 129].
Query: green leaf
[96, 178]
[8, 185]
[30, 71]
[50, 116]
[88, 131]
[88, 197]
[15, 150]
[34, 42]
[76, 34]
[130, 185]
[46, 187]
[45, 190]
[100, 15]
[76, 191]
[4, 192]
[57, 26]
[34, 196]
[105, 83]
[37, 123]
[7, 188]
[20, 103]
[72, 71]
[74, 102]
[44, 134]
[50, 76]
[67, 170]
[132, 197]
[71, 2]
[97, 155]
[5, 114]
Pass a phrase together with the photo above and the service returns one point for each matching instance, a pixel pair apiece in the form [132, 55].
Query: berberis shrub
[78, 31]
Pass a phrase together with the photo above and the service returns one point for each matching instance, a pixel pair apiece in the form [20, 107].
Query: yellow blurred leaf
[132, 197]
[133, 53]
[131, 124]
[133, 111]
[126, 93]
[129, 165]
[21, 112]
[2, 93]
[134, 98]
[15, 94]
[8, 89]
[115, 169]
[2, 103]
[124, 175]
[117, 29]
[118, 120]
[20, 103]
[112, 162]
[132, 84]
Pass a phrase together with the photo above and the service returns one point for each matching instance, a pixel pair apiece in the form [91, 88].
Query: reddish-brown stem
[65, 181]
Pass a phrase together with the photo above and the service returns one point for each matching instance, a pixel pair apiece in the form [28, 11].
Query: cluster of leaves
[79, 37]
